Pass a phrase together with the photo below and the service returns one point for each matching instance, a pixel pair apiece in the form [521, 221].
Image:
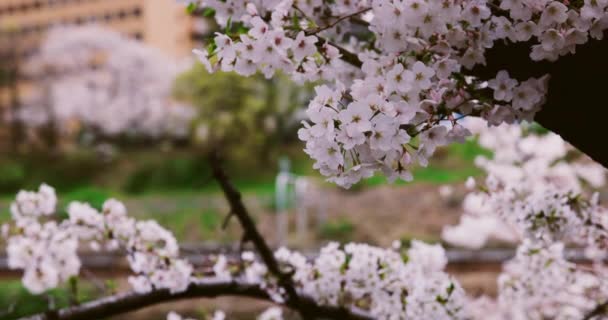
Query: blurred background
[102, 98]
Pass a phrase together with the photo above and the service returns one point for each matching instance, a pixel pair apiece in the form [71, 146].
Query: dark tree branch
[599, 310]
[131, 301]
[127, 302]
[347, 56]
[576, 101]
[251, 233]
[333, 24]
[577, 97]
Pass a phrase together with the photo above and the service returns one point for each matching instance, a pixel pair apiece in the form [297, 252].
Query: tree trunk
[578, 90]
[15, 103]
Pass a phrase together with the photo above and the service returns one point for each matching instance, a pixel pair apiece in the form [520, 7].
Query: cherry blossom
[109, 84]
[534, 189]
[412, 76]
[394, 83]
[407, 281]
[534, 194]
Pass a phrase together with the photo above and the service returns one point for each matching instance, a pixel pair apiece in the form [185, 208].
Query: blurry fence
[301, 193]
[197, 254]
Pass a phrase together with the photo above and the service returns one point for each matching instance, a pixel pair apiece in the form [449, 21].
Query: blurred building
[163, 24]
[160, 23]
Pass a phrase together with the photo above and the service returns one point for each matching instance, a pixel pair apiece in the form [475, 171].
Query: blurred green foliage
[192, 223]
[17, 302]
[250, 119]
[467, 151]
[337, 230]
[28, 171]
[182, 172]
[13, 174]
[451, 164]
[138, 172]
[89, 194]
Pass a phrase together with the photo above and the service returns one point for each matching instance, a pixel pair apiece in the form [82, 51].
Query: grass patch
[63, 173]
[468, 151]
[189, 223]
[89, 194]
[17, 302]
[337, 230]
[452, 164]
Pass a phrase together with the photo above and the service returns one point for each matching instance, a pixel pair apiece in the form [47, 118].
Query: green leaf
[450, 289]
[208, 12]
[228, 26]
[192, 6]
[441, 300]
[241, 29]
[211, 46]
[295, 21]
[111, 286]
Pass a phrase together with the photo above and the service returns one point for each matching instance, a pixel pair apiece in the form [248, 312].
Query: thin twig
[131, 301]
[251, 233]
[227, 220]
[303, 13]
[346, 55]
[10, 310]
[599, 310]
[333, 24]
[99, 285]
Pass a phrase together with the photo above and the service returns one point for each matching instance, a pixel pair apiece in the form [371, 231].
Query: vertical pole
[3, 84]
[281, 208]
[301, 193]
[321, 209]
[15, 103]
[51, 134]
[281, 200]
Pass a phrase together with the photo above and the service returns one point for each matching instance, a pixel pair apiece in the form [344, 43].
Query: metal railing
[199, 253]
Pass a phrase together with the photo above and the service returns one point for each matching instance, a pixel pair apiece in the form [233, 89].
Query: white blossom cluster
[533, 189]
[106, 83]
[272, 313]
[387, 283]
[405, 98]
[30, 204]
[392, 285]
[175, 316]
[47, 250]
[540, 284]
[536, 191]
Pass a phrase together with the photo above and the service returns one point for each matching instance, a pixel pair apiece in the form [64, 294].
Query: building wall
[168, 27]
[160, 23]
[163, 24]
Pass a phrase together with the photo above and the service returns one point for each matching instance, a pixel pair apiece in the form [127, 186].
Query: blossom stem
[599, 310]
[238, 209]
[333, 24]
[131, 301]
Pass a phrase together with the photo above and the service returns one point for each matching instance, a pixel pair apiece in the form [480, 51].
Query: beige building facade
[163, 24]
[160, 23]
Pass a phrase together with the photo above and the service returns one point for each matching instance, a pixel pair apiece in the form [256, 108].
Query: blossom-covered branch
[107, 84]
[413, 65]
[539, 192]
[132, 301]
[600, 310]
[343, 279]
[528, 38]
[252, 234]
